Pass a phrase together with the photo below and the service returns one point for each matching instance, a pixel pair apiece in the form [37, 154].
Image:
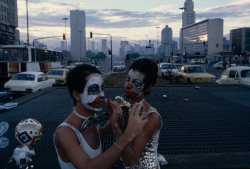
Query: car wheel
[189, 81]
[180, 79]
[53, 85]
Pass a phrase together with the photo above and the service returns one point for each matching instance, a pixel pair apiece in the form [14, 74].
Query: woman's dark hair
[147, 67]
[76, 78]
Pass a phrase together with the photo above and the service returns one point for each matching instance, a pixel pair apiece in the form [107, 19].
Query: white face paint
[93, 95]
[134, 84]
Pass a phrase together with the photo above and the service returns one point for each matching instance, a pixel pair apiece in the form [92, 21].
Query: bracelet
[118, 146]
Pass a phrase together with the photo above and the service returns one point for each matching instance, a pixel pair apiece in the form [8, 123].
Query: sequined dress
[148, 158]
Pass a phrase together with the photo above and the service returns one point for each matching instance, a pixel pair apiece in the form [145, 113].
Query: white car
[28, 82]
[118, 68]
[166, 69]
[219, 65]
[235, 75]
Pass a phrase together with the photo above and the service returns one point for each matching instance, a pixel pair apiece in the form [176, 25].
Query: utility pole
[65, 19]
[27, 16]
[157, 55]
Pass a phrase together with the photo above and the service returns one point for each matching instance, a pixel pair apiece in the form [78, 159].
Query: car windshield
[245, 73]
[55, 72]
[196, 69]
[169, 66]
[28, 77]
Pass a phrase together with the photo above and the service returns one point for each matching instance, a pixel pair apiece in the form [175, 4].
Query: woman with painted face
[142, 152]
[78, 139]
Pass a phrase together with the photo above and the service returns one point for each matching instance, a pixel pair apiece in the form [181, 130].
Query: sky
[131, 20]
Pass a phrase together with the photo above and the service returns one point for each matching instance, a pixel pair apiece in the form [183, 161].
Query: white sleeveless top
[83, 144]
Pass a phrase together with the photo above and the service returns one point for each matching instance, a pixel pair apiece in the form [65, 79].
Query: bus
[22, 58]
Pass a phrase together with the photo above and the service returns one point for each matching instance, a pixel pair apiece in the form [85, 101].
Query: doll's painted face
[134, 84]
[93, 94]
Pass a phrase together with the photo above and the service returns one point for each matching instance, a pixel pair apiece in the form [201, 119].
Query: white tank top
[83, 144]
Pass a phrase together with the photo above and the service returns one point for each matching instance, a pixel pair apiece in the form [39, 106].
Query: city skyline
[126, 20]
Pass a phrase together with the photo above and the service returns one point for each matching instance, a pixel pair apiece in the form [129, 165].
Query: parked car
[69, 67]
[166, 69]
[28, 82]
[58, 74]
[119, 68]
[193, 74]
[235, 75]
[219, 65]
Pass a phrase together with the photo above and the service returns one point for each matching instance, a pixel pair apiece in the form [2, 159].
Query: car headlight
[213, 79]
[197, 79]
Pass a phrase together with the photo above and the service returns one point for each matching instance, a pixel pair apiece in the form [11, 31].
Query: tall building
[124, 48]
[9, 35]
[240, 40]
[78, 34]
[166, 42]
[202, 39]
[63, 45]
[188, 15]
[104, 47]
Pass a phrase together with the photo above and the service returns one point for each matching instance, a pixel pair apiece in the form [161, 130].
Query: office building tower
[188, 15]
[78, 35]
[9, 35]
[166, 42]
[63, 45]
[202, 39]
[104, 47]
[124, 48]
[240, 40]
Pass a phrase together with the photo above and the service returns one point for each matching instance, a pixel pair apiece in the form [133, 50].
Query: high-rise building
[240, 40]
[202, 39]
[188, 15]
[9, 35]
[104, 47]
[124, 48]
[78, 34]
[63, 45]
[166, 42]
[92, 47]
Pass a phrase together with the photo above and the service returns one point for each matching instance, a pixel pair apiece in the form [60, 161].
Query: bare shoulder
[65, 134]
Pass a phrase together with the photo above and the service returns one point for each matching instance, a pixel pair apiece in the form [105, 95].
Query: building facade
[188, 15]
[105, 47]
[166, 47]
[9, 35]
[78, 34]
[202, 39]
[240, 40]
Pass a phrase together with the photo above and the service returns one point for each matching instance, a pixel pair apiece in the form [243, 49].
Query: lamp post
[27, 16]
[80, 45]
[65, 19]
[157, 42]
[146, 44]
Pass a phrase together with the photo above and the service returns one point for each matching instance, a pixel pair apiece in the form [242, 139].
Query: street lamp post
[65, 19]
[80, 45]
[157, 42]
[27, 16]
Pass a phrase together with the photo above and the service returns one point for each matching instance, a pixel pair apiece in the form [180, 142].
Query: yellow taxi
[58, 74]
[193, 74]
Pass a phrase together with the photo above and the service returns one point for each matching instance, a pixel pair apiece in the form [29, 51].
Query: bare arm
[132, 153]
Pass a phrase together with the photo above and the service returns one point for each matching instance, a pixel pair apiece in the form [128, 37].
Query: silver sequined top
[148, 158]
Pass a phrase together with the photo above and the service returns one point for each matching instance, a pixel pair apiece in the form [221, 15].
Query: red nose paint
[129, 86]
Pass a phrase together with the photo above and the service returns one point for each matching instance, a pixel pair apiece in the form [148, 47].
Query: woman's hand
[114, 111]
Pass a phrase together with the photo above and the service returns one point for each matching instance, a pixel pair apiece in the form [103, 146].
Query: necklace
[82, 117]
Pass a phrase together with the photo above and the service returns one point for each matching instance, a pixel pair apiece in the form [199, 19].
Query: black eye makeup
[93, 89]
[102, 86]
[127, 78]
[137, 83]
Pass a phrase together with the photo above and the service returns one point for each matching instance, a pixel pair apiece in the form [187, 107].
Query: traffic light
[110, 52]
[149, 41]
[217, 45]
[64, 36]
[91, 35]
